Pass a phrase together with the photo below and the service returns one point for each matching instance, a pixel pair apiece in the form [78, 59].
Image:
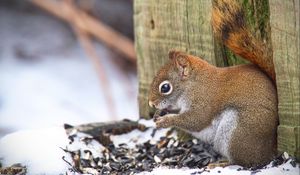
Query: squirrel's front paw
[164, 122]
[159, 114]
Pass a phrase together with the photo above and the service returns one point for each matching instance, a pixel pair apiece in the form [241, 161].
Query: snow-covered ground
[43, 153]
[37, 149]
[284, 169]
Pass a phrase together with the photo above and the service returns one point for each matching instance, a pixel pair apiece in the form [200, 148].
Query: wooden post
[163, 25]
[285, 26]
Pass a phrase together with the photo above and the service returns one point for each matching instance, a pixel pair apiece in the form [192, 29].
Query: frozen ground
[44, 155]
[46, 78]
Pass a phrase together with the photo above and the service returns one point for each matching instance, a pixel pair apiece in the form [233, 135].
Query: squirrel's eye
[165, 87]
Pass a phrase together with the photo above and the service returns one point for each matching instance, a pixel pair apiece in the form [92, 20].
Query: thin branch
[89, 25]
[72, 15]
[92, 55]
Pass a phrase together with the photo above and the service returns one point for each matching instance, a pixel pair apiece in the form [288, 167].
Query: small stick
[90, 25]
[83, 37]
[92, 55]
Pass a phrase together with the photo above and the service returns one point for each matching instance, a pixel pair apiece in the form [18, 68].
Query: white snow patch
[38, 150]
[138, 137]
[168, 171]
[95, 147]
[284, 169]
[148, 123]
[57, 91]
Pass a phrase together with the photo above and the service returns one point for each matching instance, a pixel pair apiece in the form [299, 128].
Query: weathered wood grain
[285, 26]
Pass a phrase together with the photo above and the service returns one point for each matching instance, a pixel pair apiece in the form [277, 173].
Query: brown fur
[202, 91]
[211, 90]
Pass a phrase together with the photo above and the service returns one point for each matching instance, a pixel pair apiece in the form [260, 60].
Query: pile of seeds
[121, 159]
[111, 157]
[14, 169]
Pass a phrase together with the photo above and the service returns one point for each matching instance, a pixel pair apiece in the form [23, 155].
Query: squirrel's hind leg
[254, 143]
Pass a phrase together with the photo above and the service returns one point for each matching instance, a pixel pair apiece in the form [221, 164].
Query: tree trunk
[285, 17]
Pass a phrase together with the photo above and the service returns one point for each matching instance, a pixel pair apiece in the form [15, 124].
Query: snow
[137, 137]
[284, 169]
[94, 147]
[167, 171]
[39, 150]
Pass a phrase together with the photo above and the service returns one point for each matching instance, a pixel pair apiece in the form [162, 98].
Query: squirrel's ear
[174, 53]
[181, 61]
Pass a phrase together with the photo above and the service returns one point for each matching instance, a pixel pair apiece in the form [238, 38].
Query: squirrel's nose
[151, 104]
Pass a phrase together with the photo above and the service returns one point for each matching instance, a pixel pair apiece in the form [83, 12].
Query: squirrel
[233, 108]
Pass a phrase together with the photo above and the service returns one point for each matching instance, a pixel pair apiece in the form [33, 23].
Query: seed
[157, 159]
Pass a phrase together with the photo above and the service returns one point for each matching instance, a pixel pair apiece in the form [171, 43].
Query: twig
[73, 15]
[89, 25]
[73, 168]
[92, 55]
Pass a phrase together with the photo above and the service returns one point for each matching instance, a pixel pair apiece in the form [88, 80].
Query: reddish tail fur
[229, 25]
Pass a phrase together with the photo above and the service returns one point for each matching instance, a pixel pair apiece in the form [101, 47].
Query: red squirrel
[233, 108]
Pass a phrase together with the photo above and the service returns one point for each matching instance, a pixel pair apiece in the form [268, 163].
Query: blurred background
[66, 61]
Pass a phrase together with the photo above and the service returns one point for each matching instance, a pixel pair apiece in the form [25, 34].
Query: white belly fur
[219, 133]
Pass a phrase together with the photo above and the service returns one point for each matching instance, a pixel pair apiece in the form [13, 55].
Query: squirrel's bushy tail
[229, 26]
